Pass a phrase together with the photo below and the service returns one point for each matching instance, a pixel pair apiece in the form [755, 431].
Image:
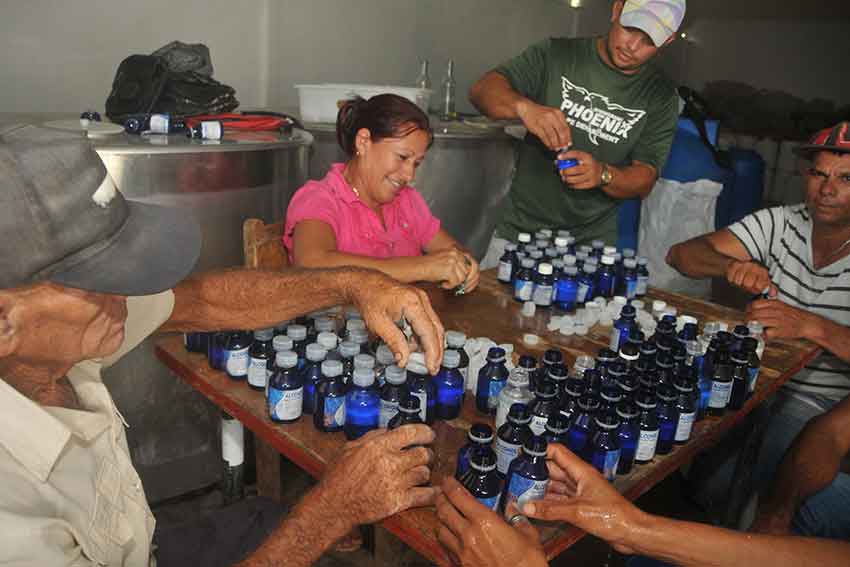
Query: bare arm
[810, 465]
[635, 180]
[253, 299]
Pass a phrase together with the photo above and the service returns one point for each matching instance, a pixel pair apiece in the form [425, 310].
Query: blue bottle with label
[605, 445]
[629, 435]
[524, 281]
[544, 405]
[312, 374]
[686, 406]
[668, 419]
[480, 437]
[392, 392]
[362, 404]
[721, 383]
[581, 425]
[622, 327]
[236, 356]
[420, 385]
[648, 428]
[544, 282]
[556, 429]
[491, 379]
[606, 278]
[507, 264]
[329, 413]
[566, 289]
[511, 436]
[286, 390]
[261, 357]
[450, 387]
[482, 480]
[408, 413]
[586, 284]
[528, 476]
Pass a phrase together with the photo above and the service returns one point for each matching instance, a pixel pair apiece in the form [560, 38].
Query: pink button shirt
[410, 226]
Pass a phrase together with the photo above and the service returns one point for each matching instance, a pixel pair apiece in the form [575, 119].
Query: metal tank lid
[471, 128]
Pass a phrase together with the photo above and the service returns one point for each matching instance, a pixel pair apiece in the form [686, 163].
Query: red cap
[835, 139]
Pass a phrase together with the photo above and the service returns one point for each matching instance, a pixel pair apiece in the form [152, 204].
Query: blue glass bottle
[491, 379]
[236, 357]
[408, 413]
[597, 247]
[606, 278]
[686, 407]
[629, 435]
[456, 340]
[298, 334]
[261, 358]
[668, 419]
[480, 438]
[648, 428]
[286, 389]
[528, 476]
[630, 278]
[664, 366]
[542, 293]
[721, 383]
[630, 352]
[511, 436]
[642, 277]
[581, 258]
[605, 445]
[362, 404]
[648, 352]
[482, 480]
[347, 351]
[329, 342]
[750, 346]
[581, 425]
[551, 357]
[311, 374]
[558, 374]
[523, 241]
[196, 342]
[739, 333]
[420, 385]
[629, 386]
[740, 380]
[329, 413]
[566, 289]
[450, 387]
[215, 349]
[383, 359]
[544, 405]
[609, 397]
[392, 392]
[556, 429]
[507, 264]
[622, 327]
[614, 373]
[524, 281]
[586, 284]
[573, 390]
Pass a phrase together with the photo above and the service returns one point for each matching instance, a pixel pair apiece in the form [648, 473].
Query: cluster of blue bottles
[553, 271]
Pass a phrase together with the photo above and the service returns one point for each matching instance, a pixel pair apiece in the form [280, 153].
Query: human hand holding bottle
[547, 123]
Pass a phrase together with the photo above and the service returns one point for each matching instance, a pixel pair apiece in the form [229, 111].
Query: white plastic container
[320, 103]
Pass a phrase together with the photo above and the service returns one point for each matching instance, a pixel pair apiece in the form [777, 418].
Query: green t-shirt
[616, 117]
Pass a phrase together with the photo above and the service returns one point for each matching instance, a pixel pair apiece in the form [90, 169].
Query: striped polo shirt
[780, 238]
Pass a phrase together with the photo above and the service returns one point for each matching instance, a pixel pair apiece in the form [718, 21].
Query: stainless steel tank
[464, 179]
[173, 433]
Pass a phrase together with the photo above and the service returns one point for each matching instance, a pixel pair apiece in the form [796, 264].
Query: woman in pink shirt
[364, 212]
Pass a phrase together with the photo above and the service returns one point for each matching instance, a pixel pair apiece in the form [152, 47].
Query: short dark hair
[384, 115]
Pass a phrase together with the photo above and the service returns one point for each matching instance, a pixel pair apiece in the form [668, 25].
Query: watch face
[606, 176]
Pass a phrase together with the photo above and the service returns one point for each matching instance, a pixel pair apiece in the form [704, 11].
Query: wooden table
[489, 311]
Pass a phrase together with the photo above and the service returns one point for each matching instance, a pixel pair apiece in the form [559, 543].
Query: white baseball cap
[658, 18]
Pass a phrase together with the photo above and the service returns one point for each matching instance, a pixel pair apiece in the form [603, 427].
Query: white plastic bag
[675, 212]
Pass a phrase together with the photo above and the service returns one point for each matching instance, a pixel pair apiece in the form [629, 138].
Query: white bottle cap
[363, 377]
[353, 324]
[416, 363]
[451, 358]
[544, 269]
[364, 361]
[385, 355]
[326, 340]
[331, 368]
[286, 359]
[523, 237]
[630, 263]
[620, 300]
[296, 332]
[395, 375]
[658, 305]
[455, 339]
[609, 250]
[608, 260]
[560, 241]
[530, 339]
[528, 309]
[281, 343]
[315, 352]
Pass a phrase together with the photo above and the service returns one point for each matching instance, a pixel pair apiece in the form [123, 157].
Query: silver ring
[460, 290]
[517, 518]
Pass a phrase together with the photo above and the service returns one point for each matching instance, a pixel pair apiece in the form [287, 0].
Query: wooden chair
[262, 245]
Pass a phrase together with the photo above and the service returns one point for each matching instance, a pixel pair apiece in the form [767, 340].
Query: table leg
[268, 470]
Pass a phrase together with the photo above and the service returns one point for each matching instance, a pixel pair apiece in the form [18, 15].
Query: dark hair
[384, 115]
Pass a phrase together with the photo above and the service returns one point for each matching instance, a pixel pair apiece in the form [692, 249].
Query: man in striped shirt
[799, 257]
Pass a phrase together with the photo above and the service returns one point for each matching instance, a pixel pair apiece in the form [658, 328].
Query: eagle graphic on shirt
[595, 114]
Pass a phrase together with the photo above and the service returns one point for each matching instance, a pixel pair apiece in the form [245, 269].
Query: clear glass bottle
[447, 98]
[423, 81]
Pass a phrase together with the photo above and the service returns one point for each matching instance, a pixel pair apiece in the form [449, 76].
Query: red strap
[231, 121]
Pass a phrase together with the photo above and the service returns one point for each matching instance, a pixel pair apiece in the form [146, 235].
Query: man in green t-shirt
[595, 100]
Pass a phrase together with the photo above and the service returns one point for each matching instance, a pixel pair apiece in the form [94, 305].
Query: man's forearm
[699, 545]
[630, 181]
[830, 336]
[312, 527]
[252, 299]
[697, 258]
[494, 96]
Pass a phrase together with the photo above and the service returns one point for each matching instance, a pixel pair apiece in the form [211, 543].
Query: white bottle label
[505, 454]
[233, 442]
[754, 378]
[237, 362]
[286, 405]
[502, 411]
[646, 445]
[388, 411]
[542, 295]
[684, 427]
[538, 424]
[211, 130]
[720, 394]
[614, 342]
[581, 294]
[159, 123]
[258, 372]
[522, 490]
[423, 403]
[523, 290]
[505, 269]
[642, 285]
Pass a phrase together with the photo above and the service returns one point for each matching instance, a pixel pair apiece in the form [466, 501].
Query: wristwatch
[606, 176]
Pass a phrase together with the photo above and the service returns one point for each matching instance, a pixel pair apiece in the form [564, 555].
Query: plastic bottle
[511, 436]
[605, 445]
[362, 404]
[544, 405]
[606, 278]
[456, 340]
[668, 419]
[622, 327]
[329, 414]
[566, 289]
[581, 425]
[480, 437]
[420, 385]
[236, 356]
[311, 374]
[630, 278]
[517, 391]
[491, 379]
[450, 387]
[524, 281]
[586, 285]
[642, 277]
[482, 480]
[757, 333]
[740, 380]
[686, 408]
[543, 286]
[261, 358]
[286, 389]
[556, 429]
[507, 264]
[629, 435]
[408, 413]
[528, 476]
[648, 428]
[392, 392]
